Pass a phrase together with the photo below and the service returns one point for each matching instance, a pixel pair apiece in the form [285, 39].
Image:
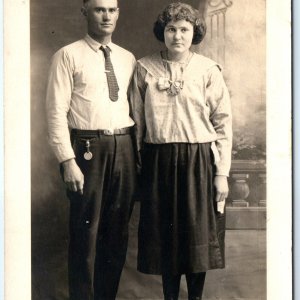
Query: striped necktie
[110, 75]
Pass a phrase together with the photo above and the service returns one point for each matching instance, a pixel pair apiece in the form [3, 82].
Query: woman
[181, 107]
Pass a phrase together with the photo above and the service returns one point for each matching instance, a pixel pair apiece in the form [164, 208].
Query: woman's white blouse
[199, 113]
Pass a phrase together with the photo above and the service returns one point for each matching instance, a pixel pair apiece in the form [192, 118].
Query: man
[89, 131]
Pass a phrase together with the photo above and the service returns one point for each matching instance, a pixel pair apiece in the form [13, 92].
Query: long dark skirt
[180, 230]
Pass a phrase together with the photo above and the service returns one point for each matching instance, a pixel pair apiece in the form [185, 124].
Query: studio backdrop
[235, 38]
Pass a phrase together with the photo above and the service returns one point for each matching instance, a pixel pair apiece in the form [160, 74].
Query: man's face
[102, 16]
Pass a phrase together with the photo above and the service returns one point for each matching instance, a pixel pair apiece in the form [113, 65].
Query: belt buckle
[108, 132]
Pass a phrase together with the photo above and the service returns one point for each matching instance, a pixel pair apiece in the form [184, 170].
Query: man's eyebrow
[105, 8]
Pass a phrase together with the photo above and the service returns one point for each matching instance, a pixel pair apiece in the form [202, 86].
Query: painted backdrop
[238, 44]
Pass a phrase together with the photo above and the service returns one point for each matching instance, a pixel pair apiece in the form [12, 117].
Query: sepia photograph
[150, 169]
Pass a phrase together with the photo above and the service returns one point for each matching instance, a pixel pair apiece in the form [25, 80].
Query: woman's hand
[221, 186]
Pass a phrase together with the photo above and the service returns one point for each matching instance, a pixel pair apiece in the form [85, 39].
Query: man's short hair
[85, 1]
[180, 11]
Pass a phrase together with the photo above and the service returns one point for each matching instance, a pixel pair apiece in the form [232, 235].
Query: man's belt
[98, 132]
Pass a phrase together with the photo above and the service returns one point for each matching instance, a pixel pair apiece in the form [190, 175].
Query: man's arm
[73, 176]
[59, 92]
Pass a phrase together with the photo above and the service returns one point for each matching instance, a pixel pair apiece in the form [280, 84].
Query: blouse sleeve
[218, 99]
[137, 112]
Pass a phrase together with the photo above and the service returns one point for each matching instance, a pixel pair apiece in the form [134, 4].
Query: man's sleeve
[59, 91]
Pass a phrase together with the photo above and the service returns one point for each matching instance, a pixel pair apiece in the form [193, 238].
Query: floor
[244, 277]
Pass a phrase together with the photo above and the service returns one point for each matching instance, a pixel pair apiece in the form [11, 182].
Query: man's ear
[83, 11]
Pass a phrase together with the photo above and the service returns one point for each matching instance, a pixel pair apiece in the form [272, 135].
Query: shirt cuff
[63, 153]
[222, 170]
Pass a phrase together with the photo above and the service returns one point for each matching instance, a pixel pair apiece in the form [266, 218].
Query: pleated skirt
[180, 230]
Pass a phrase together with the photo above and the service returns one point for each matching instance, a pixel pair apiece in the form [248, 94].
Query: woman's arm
[219, 101]
[136, 100]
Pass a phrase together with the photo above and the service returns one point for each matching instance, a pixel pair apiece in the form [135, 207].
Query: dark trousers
[99, 218]
[195, 284]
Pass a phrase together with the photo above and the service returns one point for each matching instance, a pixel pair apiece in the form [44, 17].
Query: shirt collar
[96, 45]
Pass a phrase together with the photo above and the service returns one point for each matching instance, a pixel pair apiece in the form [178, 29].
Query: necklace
[173, 87]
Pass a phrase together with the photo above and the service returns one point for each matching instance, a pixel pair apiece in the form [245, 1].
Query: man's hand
[221, 186]
[73, 176]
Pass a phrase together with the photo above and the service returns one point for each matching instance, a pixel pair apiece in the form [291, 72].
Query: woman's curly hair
[180, 11]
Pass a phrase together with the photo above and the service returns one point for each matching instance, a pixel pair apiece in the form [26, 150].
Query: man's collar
[96, 45]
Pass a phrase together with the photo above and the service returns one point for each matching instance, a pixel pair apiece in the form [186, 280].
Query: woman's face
[178, 36]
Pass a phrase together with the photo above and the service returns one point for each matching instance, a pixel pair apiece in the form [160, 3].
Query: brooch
[173, 87]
